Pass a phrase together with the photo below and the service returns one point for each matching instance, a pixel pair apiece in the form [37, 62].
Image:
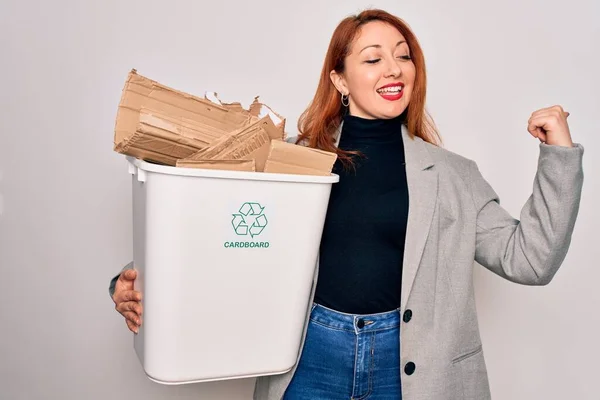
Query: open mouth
[391, 92]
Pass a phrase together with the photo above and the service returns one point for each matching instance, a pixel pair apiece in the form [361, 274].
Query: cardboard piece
[289, 158]
[158, 139]
[196, 122]
[252, 142]
[159, 124]
[230, 165]
[256, 109]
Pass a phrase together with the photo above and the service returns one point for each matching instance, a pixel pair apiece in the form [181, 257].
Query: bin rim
[225, 174]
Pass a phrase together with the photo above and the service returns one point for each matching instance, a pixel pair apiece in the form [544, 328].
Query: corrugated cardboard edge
[190, 129]
[250, 142]
[158, 136]
[256, 108]
[152, 156]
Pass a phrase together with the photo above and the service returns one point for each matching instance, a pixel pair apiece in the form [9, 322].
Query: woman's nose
[393, 69]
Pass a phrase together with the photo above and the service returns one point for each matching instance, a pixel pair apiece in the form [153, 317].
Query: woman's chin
[390, 114]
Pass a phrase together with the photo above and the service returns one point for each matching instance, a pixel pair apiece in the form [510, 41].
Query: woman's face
[379, 75]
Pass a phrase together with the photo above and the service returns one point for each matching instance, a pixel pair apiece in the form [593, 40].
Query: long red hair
[321, 120]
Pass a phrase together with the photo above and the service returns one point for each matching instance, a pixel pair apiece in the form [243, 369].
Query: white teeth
[393, 89]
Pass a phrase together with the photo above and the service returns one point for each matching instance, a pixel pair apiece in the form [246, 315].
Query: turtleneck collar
[375, 129]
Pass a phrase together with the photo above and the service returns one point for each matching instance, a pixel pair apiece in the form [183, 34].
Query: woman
[393, 312]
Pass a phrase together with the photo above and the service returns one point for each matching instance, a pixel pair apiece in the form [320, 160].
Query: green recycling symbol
[250, 220]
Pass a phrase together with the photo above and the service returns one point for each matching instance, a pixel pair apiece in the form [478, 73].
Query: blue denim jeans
[348, 356]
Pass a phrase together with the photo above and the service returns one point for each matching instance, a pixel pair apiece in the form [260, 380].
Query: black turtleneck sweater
[360, 267]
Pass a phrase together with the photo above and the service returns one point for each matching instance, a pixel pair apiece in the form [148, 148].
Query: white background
[65, 200]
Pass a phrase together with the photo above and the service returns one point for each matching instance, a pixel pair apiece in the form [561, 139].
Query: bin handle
[141, 175]
[135, 170]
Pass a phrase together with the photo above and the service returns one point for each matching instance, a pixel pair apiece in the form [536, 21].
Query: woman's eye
[376, 60]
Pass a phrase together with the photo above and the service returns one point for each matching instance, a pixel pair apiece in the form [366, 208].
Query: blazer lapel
[422, 192]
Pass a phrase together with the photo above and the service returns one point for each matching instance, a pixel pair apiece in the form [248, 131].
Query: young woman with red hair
[392, 311]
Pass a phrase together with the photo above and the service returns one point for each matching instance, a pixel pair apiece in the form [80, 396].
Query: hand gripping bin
[225, 263]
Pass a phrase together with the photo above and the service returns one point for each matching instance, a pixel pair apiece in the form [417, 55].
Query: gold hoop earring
[346, 99]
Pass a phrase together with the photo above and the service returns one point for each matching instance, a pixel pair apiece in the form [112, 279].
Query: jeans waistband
[355, 322]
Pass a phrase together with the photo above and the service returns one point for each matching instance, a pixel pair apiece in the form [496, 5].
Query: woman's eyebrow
[378, 46]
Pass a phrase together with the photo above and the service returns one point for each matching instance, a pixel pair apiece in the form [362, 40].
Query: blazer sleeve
[529, 251]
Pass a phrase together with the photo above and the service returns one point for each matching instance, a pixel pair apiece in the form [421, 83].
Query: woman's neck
[363, 128]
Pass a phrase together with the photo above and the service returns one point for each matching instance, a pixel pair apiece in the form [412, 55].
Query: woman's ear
[339, 82]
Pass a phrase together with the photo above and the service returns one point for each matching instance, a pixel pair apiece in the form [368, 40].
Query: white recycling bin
[225, 263]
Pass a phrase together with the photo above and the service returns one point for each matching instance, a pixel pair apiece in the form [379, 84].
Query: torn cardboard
[288, 158]
[252, 142]
[163, 125]
[158, 139]
[256, 109]
[152, 115]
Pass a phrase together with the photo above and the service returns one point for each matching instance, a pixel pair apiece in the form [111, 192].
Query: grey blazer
[454, 219]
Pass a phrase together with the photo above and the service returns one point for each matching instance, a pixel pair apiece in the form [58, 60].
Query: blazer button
[407, 315]
[409, 368]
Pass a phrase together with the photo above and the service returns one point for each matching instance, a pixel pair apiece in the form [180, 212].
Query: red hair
[321, 120]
